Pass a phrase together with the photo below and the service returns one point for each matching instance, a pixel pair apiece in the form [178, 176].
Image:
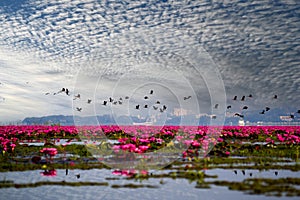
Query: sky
[210, 50]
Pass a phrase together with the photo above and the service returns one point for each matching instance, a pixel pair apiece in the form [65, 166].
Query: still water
[152, 188]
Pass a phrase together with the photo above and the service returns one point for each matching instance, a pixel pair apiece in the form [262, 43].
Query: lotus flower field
[140, 139]
[199, 149]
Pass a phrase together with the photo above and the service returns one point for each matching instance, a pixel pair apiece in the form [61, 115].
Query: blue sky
[100, 47]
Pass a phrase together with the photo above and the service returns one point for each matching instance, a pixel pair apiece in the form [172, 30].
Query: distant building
[286, 118]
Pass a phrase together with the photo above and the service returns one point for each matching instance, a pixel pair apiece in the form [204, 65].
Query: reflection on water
[114, 184]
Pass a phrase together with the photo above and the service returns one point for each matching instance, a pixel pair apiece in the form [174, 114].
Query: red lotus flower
[51, 172]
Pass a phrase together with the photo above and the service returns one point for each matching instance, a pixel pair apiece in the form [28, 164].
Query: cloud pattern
[255, 45]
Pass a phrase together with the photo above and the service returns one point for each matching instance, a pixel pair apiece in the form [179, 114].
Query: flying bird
[78, 109]
[292, 116]
[228, 107]
[275, 96]
[104, 103]
[67, 91]
[155, 107]
[110, 99]
[250, 95]
[145, 106]
[298, 111]
[262, 112]
[127, 97]
[47, 93]
[146, 97]
[267, 108]
[77, 176]
[157, 102]
[234, 98]
[151, 91]
[245, 107]
[164, 107]
[216, 106]
[89, 101]
[239, 115]
[243, 98]
[62, 90]
[137, 107]
[186, 98]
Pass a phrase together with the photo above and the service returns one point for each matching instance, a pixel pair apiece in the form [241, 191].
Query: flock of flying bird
[162, 108]
[266, 109]
[119, 101]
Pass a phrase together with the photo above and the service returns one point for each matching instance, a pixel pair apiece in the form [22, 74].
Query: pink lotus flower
[143, 147]
[49, 151]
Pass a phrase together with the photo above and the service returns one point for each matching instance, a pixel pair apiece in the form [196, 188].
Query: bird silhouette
[110, 99]
[228, 107]
[47, 93]
[276, 173]
[275, 96]
[267, 108]
[104, 103]
[164, 107]
[151, 91]
[146, 97]
[89, 101]
[155, 107]
[250, 95]
[186, 98]
[77, 176]
[127, 97]
[234, 98]
[262, 112]
[216, 106]
[235, 171]
[245, 107]
[115, 102]
[78, 109]
[67, 171]
[214, 117]
[145, 106]
[60, 91]
[239, 115]
[137, 107]
[292, 116]
[161, 110]
[243, 98]
[67, 92]
[120, 102]
[157, 102]
[243, 171]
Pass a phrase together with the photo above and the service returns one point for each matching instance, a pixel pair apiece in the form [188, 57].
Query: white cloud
[255, 44]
